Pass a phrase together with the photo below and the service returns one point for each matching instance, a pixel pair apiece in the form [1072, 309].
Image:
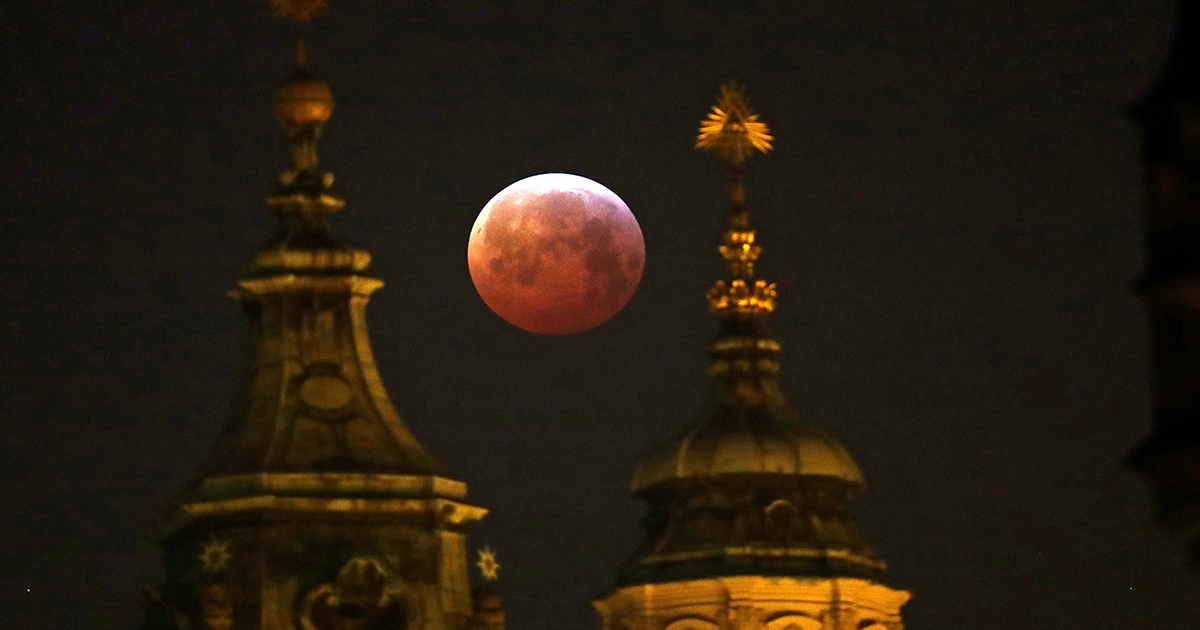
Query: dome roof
[738, 442]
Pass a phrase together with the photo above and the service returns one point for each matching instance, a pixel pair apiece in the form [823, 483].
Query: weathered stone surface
[317, 508]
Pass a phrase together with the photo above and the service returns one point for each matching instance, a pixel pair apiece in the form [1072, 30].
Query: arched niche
[794, 622]
[364, 596]
[691, 623]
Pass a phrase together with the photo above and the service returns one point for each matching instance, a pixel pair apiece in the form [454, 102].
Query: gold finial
[302, 100]
[487, 564]
[732, 130]
[303, 103]
[299, 11]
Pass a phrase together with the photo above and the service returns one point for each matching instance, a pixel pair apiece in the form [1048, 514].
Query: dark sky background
[953, 215]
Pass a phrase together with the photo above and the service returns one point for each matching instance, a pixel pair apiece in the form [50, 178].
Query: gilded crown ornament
[734, 133]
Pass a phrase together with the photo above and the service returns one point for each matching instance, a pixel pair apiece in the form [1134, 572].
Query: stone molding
[754, 603]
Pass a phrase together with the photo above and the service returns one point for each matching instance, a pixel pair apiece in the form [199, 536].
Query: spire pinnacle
[303, 104]
[734, 132]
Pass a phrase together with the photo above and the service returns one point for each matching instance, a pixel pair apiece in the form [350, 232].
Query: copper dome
[740, 442]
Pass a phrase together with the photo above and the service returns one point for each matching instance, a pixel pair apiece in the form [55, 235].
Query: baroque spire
[316, 508]
[747, 526]
[750, 443]
[314, 399]
[744, 350]
[734, 133]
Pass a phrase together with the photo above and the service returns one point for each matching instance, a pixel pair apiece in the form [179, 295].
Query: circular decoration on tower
[325, 392]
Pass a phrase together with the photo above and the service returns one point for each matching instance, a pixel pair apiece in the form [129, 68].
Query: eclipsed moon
[556, 254]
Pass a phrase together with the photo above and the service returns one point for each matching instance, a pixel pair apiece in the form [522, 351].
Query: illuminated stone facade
[755, 603]
[747, 528]
[317, 508]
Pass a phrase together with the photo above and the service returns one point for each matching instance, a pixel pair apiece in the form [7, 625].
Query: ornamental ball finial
[302, 100]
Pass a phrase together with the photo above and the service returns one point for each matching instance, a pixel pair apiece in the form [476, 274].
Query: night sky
[952, 214]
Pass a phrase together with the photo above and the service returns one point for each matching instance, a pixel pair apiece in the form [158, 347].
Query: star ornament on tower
[488, 567]
[215, 556]
[732, 130]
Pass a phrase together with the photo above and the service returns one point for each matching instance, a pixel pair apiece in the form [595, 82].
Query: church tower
[747, 528]
[317, 508]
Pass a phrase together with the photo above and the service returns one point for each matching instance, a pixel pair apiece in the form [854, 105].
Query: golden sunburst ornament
[487, 564]
[732, 130]
[215, 556]
[299, 11]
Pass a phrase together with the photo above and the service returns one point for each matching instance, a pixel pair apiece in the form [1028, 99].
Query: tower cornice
[435, 501]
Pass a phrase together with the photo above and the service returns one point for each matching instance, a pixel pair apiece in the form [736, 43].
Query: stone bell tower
[747, 528]
[317, 508]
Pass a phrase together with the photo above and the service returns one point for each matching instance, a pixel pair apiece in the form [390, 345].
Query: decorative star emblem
[487, 564]
[732, 129]
[215, 556]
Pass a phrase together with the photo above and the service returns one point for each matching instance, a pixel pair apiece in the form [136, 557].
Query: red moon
[556, 254]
